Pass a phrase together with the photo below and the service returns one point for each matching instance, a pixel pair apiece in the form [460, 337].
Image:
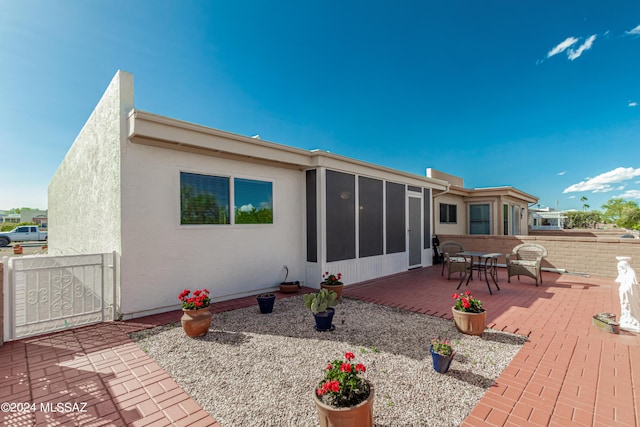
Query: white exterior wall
[84, 193]
[160, 257]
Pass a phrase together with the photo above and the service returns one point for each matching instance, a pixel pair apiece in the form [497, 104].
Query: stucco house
[185, 206]
[496, 211]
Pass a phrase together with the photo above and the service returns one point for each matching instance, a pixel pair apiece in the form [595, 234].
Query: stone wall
[574, 253]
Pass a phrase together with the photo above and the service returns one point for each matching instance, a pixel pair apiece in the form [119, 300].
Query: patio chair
[452, 262]
[526, 260]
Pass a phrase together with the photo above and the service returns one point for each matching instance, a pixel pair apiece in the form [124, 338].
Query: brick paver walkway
[568, 373]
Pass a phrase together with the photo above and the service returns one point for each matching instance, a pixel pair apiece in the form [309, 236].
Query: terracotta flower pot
[335, 288]
[289, 287]
[196, 322]
[360, 415]
[469, 323]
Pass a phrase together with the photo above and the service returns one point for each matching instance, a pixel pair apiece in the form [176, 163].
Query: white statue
[629, 292]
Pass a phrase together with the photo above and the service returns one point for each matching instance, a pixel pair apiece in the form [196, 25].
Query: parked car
[24, 233]
[628, 236]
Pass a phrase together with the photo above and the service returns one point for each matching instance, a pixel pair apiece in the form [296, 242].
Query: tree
[582, 200]
[615, 206]
[630, 218]
[624, 213]
[580, 219]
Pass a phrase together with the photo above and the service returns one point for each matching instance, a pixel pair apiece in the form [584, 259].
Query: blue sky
[542, 96]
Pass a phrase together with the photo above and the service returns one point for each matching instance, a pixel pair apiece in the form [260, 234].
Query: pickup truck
[24, 233]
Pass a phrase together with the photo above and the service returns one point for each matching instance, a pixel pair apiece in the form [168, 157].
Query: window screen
[426, 212]
[341, 218]
[312, 216]
[396, 229]
[370, 205]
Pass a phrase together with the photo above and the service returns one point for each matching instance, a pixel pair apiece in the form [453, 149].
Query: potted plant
[468, 314]
[289, 287]
[442, 354]
[196, 317]
[343, 398]
[321, 305]
[332, 282]
[265, 302]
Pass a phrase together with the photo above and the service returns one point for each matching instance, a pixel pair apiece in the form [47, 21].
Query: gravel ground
[260, 370]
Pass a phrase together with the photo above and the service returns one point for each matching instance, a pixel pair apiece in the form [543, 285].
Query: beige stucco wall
[575, 254]
[460, 227]
[84, 193]
[463, 202]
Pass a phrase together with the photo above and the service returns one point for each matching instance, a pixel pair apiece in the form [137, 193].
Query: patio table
[487, 262]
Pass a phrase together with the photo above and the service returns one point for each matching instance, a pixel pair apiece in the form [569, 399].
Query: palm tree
[584, 206]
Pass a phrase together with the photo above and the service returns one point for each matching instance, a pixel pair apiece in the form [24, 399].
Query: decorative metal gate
[51, 293]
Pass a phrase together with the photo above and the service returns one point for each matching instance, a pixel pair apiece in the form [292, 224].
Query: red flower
[467, 293]
[329, 367]
[333, 386]
[345, 367]
[349, 355]
[360, 368]
[465, 303]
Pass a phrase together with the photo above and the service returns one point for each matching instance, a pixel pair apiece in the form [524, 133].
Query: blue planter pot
[441, 363]
[266, 304]
[324, 320]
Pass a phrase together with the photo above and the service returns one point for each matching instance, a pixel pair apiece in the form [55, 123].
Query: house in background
[185, 206]
[36, 216]
[546, 219]
[501, 211]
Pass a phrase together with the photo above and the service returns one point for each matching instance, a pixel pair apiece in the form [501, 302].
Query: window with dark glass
[253, 201]
[370, 205]
[204, 199]
[396, 229]
[448, 214]
[341, 216]
[479, 219]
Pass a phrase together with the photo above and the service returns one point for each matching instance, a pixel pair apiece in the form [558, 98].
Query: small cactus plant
[320, 301]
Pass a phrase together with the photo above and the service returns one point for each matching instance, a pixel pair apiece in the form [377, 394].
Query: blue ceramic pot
[324, 319]
[441, 363]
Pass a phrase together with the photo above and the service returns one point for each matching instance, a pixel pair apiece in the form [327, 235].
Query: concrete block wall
[576, 254]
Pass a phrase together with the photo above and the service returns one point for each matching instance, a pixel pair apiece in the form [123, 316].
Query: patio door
[415, 232]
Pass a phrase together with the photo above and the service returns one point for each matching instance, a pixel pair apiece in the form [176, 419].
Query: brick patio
[568, 373]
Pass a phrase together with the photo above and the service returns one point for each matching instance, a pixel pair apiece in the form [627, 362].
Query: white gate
[51, 293]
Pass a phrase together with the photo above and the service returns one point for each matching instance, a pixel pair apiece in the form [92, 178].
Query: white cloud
[633, 104]
[602, 183]
[635, 31]
[569, 41]
[630, 194]
[575, 54]
[572, 197]
[562, 173]
[246, 208]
